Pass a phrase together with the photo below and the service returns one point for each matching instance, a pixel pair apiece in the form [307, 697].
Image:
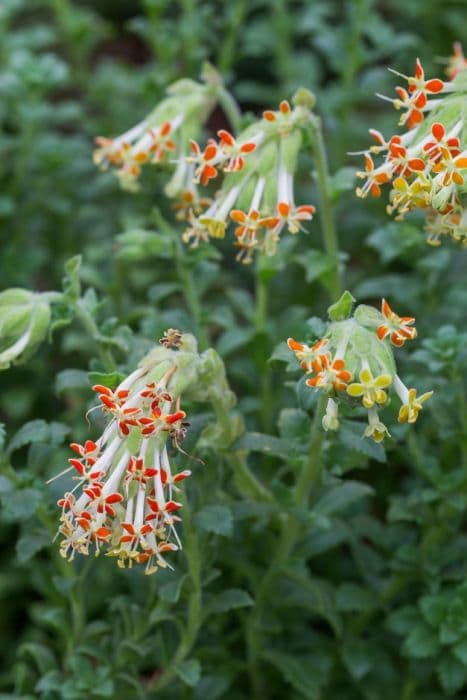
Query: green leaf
[171, 591]
[234, 338]
[189, 671]
[20, 505]
[434, 608]
[338, 497]
[357, 656]
[313, 594]
[350, 435]
[315, 262]
[269, 445]
[460, 652]
[109, 379]
[230, 599]
[71, 379]
[6, 486]
[71, 283]
[33, 431]
[303, 673]
[30, 543]
[294, 424]
[342, 308]
[452, 674]
[422, 642]
[217, 519]
[353, 598]
[40, 654]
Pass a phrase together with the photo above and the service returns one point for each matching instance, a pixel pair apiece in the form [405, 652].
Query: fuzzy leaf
[216, 519]
[230, 599]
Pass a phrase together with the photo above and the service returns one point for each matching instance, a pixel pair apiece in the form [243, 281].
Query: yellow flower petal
[355, 389]
[383, 381]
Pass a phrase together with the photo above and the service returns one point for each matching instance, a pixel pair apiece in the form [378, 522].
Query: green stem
[289, 535]
[190, 291]
[92, 329]
[194, 613]
[245, 479]
[226, 54]
[330, 240]
[261, 314]
[230, 107]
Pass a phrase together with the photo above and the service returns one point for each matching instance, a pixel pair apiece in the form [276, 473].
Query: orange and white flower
[398, 328]
[426, 166]
[359, 347]
[123, 501]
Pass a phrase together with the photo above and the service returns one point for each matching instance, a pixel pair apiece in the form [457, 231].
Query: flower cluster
[162, 137]
[257, 192]
[354, 364]
[125, 498]
[426, 165]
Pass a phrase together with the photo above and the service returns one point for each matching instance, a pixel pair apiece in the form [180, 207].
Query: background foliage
[373, 601]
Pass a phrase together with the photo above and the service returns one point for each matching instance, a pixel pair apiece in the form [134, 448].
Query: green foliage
[365, 594]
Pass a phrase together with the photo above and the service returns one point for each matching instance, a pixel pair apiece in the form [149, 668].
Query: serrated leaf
[230, 599]
[216, 518]
[189, 672]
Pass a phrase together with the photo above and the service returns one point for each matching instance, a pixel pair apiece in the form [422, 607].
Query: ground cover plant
[232, 341]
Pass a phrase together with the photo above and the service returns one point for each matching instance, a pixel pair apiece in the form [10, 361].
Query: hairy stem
[330, 240]
[90, 326]
[194, 611]
[289, 535]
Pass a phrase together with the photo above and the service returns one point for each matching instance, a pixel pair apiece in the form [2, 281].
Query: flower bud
[24, 322]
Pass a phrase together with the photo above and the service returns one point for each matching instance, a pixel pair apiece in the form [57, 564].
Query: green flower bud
[24, 322]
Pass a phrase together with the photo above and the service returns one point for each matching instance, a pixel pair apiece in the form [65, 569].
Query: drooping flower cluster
[163, 137]
[354, 364]
[125, 499]
[257, 192]
[426, 165]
